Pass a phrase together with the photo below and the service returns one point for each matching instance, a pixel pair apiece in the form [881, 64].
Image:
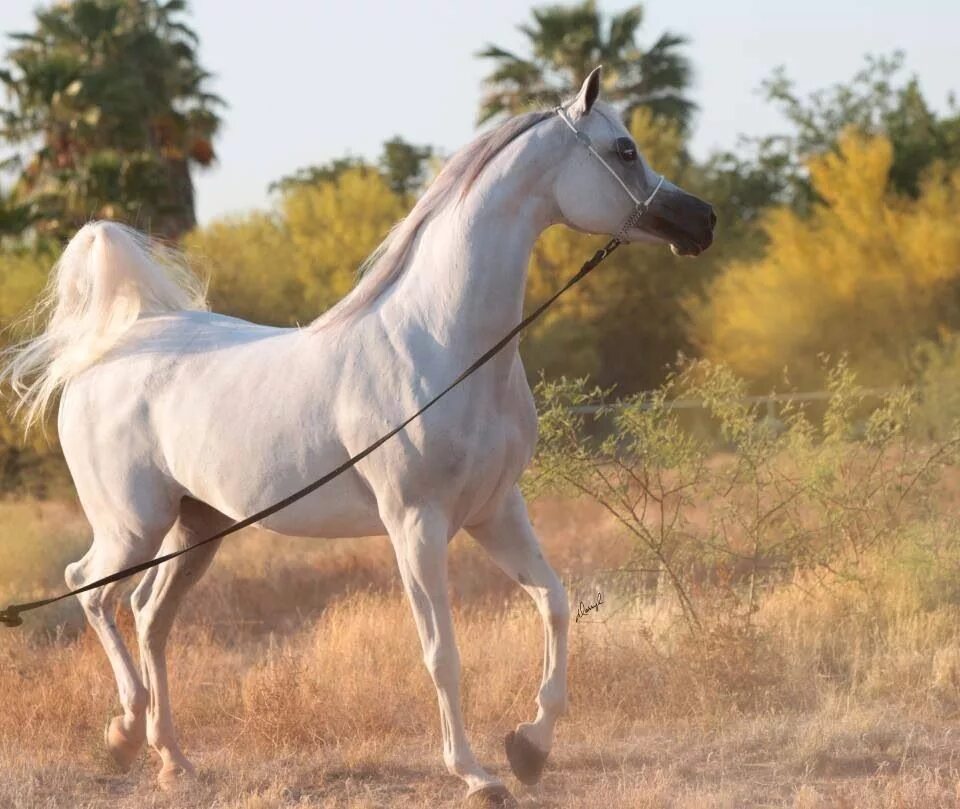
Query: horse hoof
[495, 795]
[122, 744]
[174, 774]
[526, 759]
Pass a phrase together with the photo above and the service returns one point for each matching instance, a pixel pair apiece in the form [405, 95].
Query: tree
[334, 226]
[109, 108]
[401, 164]
[289, 265]
[319, 174]
[14, 218]
[869, 273]
[876, 101]
[566, 42]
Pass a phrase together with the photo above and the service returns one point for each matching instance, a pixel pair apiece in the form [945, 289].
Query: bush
[836, 499]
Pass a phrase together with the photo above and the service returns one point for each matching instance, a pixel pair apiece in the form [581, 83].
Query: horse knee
[140, 598]
[558, 609]
[553, 605]
[443, 664]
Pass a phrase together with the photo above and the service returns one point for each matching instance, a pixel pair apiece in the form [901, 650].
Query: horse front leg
[510, 540]
[420, 538]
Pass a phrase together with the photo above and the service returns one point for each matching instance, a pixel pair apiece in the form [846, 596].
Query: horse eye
[626, 149]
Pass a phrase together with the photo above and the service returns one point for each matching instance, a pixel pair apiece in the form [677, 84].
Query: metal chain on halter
[11, 615]
[631, 221]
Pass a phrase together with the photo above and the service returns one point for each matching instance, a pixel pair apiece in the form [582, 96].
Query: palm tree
[109, 109]
[566, 42]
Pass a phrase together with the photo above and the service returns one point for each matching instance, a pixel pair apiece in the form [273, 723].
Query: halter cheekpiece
[640, 207]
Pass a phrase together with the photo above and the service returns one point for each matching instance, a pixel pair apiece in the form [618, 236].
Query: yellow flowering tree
[334, 226]
[289, 266]
[868, 273]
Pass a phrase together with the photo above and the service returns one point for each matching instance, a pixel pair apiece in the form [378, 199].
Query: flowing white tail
[108, 276]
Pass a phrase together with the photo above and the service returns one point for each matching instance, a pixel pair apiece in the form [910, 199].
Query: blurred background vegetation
[838, 236]
[780, 580]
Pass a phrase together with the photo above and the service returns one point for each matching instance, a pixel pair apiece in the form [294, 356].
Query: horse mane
[387, 262]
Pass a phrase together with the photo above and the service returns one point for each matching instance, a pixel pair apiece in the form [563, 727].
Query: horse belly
[342, 508]
[242, 480]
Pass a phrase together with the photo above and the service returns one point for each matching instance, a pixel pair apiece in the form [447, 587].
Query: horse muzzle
[684, 221]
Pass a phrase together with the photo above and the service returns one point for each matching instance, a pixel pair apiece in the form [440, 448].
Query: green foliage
[876, 101]
[742, 186]
[31, 465]
[110, 108]
[14, 218]
[316, 175]
[24, 274]
[250, 264]
[937, 365]
[334, 227]
[798, 499]
[402, 164]
[567, 42]
[855, 250]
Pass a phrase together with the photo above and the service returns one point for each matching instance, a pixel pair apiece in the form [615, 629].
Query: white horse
[175, 421]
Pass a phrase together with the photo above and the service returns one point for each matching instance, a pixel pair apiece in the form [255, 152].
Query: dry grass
[297, 682]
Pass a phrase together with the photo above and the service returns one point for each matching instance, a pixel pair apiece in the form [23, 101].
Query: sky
[311, 80]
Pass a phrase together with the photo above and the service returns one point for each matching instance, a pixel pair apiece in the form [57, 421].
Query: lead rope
[11, 615]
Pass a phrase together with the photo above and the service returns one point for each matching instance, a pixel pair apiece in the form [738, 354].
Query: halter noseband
[640, 207]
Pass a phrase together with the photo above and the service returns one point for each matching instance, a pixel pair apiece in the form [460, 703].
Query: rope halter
[640, 207]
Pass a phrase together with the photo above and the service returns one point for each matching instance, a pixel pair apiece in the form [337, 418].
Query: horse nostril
[713, 218]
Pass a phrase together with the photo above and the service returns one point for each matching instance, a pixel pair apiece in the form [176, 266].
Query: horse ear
[589, 93]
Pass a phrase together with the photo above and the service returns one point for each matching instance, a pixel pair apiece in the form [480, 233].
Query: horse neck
[467, 275]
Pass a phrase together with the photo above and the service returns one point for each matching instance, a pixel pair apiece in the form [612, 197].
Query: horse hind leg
[155, 603]
[111, 551]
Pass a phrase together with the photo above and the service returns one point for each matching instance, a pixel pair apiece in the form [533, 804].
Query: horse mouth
[682, 241]
[689, 248]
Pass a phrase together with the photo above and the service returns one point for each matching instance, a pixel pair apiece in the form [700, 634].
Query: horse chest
[480, 454]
